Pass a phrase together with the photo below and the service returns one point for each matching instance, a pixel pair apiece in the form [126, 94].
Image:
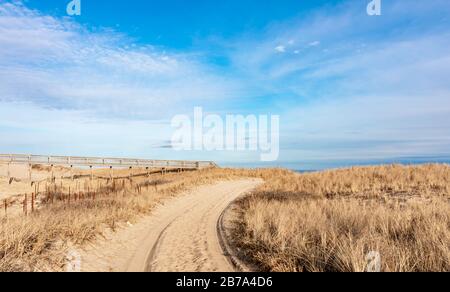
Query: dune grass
[324, 221]
[331, 221]
[40, 241]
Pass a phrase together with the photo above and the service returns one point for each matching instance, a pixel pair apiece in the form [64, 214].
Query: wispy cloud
[69, 89]
[349, 78]
[57, 63]
[345, 84]
[280, 49]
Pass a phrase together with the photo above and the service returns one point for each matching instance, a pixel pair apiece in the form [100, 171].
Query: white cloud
[65, 89]
[384, 81]
[380, 82]
[57, 63]
[280, 49]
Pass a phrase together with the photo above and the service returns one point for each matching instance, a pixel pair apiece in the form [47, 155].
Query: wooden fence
[104, 162]
[52, 193]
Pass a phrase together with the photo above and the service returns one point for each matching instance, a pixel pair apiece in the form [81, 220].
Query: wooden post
[38, 186]
[5, 203]
[52, 173]
[111, 173]
[25, 205]
[92, 172]
[32, 202]
[30, 169]
[71, 172]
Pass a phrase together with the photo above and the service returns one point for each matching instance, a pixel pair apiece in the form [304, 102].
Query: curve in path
[183, 236]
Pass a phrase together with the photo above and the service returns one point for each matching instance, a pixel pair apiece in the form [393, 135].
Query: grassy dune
[330, 221]
[40, 241]
[325, 221]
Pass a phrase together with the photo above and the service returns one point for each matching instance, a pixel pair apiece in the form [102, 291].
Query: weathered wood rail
[72, 161]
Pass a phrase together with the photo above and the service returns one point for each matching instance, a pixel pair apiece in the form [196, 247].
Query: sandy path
[179, 236]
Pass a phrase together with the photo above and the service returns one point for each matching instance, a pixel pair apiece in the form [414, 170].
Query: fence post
[30, 170]
[32, 202]
[53, 174]
[25, 205]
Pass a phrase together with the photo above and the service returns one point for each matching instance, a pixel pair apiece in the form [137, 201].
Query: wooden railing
[103, 162]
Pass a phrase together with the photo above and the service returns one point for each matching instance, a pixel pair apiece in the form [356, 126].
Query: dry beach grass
[324, 221]
[40, 241]
[330, 221]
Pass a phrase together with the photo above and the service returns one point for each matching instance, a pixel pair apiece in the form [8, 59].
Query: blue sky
[349, 88]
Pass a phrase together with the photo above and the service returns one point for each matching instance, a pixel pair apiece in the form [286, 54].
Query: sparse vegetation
[330, 221]
[39, 241]
[324, 221]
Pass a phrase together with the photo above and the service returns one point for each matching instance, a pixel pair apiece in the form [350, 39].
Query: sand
[14, 187]
[21, 183]
[179, 236]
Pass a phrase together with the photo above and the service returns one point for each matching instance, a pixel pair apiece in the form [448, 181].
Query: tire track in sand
[179, 236]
